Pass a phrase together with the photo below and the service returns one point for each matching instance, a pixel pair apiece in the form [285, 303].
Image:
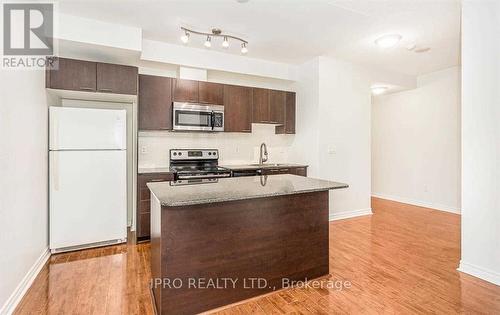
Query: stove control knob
[180, 153]
[209, 153]
[175, 153]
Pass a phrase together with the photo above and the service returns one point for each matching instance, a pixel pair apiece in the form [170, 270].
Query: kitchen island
[235, 238]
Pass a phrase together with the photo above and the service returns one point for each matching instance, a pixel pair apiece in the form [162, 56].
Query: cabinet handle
[86, 88]
[106, 90]
[285, 169]
[157, 180]
[246, 130]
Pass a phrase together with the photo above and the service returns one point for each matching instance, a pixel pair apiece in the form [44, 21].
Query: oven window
[192, 118]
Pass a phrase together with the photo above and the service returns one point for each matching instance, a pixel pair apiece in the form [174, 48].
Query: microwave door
[193, 120]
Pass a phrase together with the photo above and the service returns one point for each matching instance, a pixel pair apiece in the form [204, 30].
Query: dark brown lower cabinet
[238, 240]
[301, 171]
[143, 223]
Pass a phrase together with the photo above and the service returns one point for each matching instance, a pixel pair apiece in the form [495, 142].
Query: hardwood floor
[402, 259]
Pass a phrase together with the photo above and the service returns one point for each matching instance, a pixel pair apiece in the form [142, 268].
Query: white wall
[23, 178]
[344, 136]
[305, 145]
[416, 143]
[333, 130]
[481, 140]
[234, 148]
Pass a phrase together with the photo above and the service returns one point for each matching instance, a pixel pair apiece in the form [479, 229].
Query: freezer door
[87, 129]
[88, 197]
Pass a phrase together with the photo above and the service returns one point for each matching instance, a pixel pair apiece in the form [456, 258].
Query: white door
[87, 129]
[88, 197]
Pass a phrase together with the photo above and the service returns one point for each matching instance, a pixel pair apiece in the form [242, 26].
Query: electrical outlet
[144, 149]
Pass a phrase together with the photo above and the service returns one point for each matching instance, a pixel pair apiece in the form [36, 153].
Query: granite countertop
[242, 167]
[238, 188]
[152, 170]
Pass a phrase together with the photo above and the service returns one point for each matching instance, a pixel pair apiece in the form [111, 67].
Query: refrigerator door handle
[54, 136]
[55, 171]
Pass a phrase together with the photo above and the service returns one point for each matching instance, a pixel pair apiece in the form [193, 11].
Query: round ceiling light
[422, 50]
[388, 41]
[377, 90]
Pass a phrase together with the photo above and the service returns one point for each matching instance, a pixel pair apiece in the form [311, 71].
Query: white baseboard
[418, 203]
[349, 214]
[16, 296]
[480, 272]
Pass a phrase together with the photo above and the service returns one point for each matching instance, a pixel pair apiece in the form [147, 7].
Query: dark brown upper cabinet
[289, 126]
[211, 93]
[185, 91]
[290, 113]
[155, 103]
[81, 75]
[277, 107]
[238, 108]
[72, 74]
[260, 105]
[118, 79]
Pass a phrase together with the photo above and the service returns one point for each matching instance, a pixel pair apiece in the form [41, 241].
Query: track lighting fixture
[215, 33]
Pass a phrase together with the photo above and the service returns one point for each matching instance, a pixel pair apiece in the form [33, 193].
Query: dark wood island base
[209, 255]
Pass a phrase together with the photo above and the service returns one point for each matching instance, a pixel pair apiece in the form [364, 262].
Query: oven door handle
[203, 176]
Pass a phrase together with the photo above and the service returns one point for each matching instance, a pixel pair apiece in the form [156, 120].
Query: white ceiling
[294, 31]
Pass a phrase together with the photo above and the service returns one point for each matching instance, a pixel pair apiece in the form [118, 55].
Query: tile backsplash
[234, 148]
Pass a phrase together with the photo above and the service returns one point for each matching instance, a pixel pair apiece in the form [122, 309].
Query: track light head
[208, 42]
[244, 48]
[225, 43]
[185, 37]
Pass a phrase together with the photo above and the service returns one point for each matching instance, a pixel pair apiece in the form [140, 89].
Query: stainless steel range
[192, 164]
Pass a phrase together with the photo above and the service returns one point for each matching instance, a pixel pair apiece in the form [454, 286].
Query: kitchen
[170, 165]
[95, 139]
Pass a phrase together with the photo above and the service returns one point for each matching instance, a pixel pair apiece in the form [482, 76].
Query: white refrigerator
[88, 177]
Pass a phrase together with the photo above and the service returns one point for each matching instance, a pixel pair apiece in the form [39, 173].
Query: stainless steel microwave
[197, 117]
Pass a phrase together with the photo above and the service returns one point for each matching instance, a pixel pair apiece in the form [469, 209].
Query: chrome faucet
[263, 153]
